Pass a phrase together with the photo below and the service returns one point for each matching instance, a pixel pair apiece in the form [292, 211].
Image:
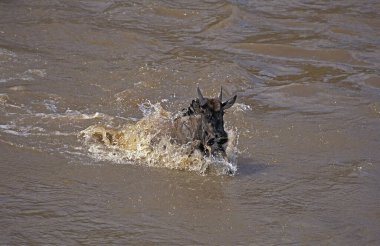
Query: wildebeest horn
[227, 104]
[202, 100]
[221, 92]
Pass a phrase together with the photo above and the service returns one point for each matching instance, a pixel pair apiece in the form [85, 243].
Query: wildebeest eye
[211, 141]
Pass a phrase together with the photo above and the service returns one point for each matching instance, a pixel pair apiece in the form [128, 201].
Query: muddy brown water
[307, 77]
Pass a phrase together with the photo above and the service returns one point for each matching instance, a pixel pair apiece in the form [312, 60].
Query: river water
[306, 124]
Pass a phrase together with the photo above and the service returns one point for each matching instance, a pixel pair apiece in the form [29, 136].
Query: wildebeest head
[214, 137]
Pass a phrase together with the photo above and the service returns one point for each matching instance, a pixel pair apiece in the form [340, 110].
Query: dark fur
[202, 124]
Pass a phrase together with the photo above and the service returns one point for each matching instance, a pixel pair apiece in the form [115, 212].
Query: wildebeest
[171, 141]
[202, 125]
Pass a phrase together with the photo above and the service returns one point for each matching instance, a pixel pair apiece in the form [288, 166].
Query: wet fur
[200, 125]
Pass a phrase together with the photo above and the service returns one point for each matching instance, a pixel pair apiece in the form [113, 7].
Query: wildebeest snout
[218, 138]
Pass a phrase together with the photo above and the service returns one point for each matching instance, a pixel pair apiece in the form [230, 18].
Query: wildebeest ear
[227, 104]
[202, 100]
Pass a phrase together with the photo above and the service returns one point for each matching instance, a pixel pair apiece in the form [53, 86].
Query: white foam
[28, 75]
[50, 105]
[23, 131]
[242, 107]
[75, 115]
[8, 53]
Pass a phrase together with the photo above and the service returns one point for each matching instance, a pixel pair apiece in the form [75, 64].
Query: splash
[148, 142]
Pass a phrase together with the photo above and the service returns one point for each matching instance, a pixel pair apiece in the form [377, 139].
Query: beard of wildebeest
[213, 136]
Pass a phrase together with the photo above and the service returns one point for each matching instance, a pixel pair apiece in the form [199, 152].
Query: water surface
[307, 120]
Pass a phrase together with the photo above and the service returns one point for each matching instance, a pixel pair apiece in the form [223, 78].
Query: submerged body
[195, 140]
[160, 139]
